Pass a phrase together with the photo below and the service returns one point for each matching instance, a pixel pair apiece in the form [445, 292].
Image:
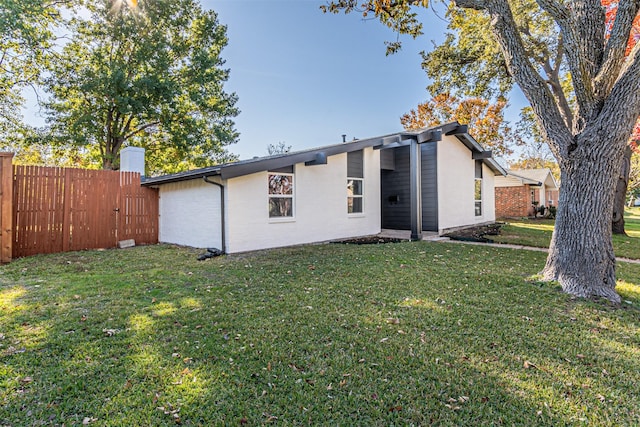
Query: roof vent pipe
[344, 138]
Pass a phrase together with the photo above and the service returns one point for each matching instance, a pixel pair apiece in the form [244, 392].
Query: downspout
[222, 212]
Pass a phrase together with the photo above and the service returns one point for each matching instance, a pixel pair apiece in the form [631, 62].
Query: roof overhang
[318, 156]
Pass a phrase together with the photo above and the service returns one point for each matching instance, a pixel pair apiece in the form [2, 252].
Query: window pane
[478, 189]
[354, 205]
[478, 208]
[354, 187]
[280, 184]
[280, 207]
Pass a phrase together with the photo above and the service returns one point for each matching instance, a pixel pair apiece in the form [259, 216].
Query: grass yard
[397, 334]
[537, 233]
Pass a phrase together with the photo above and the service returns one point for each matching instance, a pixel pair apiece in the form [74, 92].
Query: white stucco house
[434, 179]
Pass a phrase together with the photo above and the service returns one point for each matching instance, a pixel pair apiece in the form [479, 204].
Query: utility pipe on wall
[222, 212]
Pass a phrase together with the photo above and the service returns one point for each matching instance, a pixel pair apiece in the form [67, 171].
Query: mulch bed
[369, 240]
[471, 234]
[476, 234]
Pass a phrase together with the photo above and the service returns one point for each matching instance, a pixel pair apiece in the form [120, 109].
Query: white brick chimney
[132, 160]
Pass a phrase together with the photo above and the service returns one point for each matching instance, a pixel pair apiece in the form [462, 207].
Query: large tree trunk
[617, 224]
[581, 254]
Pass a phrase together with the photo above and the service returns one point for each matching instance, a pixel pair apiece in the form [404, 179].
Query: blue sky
[306, 78]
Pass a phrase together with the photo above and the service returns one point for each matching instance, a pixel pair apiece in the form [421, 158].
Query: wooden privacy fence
[60, 209]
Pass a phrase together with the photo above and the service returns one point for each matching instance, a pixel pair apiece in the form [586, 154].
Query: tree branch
[581, 59]
[555, 132]
[140, 129]
[621, 109]
[616, 46]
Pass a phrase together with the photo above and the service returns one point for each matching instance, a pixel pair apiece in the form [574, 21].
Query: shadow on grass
[419, 333]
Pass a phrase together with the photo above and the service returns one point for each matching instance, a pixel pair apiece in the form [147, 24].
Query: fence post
[6, 207]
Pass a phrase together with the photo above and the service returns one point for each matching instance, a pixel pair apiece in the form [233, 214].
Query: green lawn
[397, 334]
[537, 233]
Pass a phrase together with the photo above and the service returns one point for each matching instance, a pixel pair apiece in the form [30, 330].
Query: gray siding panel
[396, 208]
[387, 159]
[355, 168]
[395, 194]
[429, 186]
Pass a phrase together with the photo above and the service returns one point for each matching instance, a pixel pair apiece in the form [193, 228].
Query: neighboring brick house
[520, 188]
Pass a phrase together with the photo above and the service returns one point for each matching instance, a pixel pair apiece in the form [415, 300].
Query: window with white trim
[281, 194]
[478, 188]
[355, 195]
[355, 182]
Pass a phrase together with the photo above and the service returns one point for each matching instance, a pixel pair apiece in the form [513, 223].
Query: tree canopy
[148, 74]
[485, 119]
[26, 36]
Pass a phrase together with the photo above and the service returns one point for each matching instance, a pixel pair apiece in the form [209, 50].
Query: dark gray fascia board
[454, 128]
[183, 176]
[480, 155]
[320, 159]
[259, 165]
[392, 145]
[430, 135]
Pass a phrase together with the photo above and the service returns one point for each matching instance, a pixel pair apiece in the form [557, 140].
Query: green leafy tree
[147, 74]
[485, 119]
[583, 85]
[26, 37]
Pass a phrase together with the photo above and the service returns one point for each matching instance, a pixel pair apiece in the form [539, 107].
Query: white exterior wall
[456, 184]
[190, 214]
[488, 195]
[320, 206]
[508, 181]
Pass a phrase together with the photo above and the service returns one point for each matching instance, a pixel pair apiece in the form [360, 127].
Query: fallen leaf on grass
[83, 318]
[395, 409]
[393, 320]
[270, 418]
[26, 380]
[110, 332]
[174, 413]
[88, 420]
